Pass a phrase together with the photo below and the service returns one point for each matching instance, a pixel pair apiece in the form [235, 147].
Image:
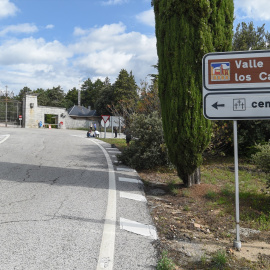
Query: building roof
[81, 111]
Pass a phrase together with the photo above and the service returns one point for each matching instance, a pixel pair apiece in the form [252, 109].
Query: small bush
[211, 195]
[148, 149]
[165, 263]
[219, 259]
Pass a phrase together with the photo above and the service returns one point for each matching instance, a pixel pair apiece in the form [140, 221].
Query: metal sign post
[237, 242]
[105, 125]
[20, 118]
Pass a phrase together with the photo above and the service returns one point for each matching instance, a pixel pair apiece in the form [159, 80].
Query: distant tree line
[99, 95]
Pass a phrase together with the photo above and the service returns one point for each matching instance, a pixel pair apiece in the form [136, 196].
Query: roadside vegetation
[179, 209]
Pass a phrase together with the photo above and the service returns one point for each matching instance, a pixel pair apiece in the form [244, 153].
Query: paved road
[64, 205]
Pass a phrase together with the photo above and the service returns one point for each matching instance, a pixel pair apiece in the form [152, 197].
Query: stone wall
[33, 114]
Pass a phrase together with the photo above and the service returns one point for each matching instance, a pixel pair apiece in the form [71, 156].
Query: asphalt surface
[65, 205]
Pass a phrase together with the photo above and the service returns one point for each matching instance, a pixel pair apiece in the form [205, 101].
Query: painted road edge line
[106, 253]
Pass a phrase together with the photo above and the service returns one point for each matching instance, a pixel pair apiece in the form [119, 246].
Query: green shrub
[219, 259]
[148, 149]
[165, 263]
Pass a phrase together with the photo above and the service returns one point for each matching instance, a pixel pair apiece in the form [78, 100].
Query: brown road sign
[236, 85]
[236, 70]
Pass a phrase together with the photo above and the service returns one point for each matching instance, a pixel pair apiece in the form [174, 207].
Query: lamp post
[7, 94]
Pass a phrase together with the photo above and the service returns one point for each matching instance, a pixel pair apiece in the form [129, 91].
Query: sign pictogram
[105, 118]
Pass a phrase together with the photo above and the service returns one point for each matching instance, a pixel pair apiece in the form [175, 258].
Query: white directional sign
[243, 105]
[236, 85]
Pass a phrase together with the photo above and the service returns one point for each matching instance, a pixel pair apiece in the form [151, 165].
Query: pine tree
[125, 91]
[186, 30]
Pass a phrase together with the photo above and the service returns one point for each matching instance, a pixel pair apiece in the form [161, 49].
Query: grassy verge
[254, 197]
[119, 143]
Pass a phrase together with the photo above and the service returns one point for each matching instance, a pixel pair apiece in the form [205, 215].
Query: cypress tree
[186, 30]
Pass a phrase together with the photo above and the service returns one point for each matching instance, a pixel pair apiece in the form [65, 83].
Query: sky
[47, 43]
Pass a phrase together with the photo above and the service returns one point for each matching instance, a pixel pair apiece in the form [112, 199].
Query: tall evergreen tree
[56, 96]
[86, 89]
[72, 97]
[247, 38]
[90, 92]
[125, 89]
[43, 98]
[185, 31]
[105, 99]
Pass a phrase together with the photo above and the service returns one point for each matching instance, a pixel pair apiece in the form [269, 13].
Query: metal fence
[9, 112]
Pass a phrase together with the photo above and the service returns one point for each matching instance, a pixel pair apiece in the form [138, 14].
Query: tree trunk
[194, 178]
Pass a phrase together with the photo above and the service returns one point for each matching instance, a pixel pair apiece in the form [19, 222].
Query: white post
[237, 242]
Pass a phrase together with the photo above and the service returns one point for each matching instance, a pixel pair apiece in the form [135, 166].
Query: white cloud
[114, 2]
[25, 28]
[147, 17]
[106, 61]
[108, 49]
[33, 51]
[96, 53]
[49, 26]
[7, 9]
[256, 10]
[79, 31]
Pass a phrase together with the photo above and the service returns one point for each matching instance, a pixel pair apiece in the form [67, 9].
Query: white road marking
[4, 138]
[132, 196]
[130, 180]
[106, 253]
[115, 152]
[125, 169]
[138, 228]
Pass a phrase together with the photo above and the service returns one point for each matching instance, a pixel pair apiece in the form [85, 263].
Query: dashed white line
[115, 152]
[138, 228]
[132, 196]
[125, 169]
[130, 180]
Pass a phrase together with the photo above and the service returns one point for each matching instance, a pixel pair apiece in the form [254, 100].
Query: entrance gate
[9, 112]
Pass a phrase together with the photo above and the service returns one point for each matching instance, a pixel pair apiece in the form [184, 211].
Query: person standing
[115, 132]
[128, 137]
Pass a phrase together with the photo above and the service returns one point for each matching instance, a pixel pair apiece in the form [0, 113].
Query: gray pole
[6, 111]
[6, 106]
[237, 242]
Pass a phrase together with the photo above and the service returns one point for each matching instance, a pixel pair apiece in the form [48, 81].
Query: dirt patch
[190, 228]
